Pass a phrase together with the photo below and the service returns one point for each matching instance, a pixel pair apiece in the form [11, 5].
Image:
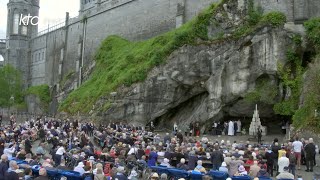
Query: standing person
[310, 151]
[283, 162]
[231, 128]
[275, 148]
[292, 162]
[12, 120]
[259, 135]
[58, 155]
[3, 166]
[197, 129]
[190, 129]
[28, 145]
[297, 147]
[239, 125]
[216, 158]
[175, 128]
[151, 126]
[235, 128]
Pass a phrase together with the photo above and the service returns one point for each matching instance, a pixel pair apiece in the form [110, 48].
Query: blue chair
[264, 178]
[196, 175]
[71, 175]
[178, 173]
[160, 169]
[241, 178]
[286, 179]
[218, 175]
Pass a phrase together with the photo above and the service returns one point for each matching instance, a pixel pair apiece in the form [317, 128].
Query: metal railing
[49, 29]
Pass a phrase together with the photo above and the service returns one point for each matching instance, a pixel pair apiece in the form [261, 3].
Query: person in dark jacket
[310, 150]
[3, 166]
[275, 148]
[192, 160]
[11, 174]
[216, 158]
[270, 161]
[263, 172]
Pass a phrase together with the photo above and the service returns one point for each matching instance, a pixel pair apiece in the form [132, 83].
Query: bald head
[43, 172]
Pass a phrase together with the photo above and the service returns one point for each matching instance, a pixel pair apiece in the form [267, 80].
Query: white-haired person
[224, 168]
[166, 163]
[199, 167]
[11, 173]
[182, 164]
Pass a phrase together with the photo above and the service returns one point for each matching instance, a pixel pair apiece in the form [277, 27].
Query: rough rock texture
[203, 83]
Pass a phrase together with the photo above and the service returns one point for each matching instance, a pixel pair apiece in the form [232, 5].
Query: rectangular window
[24, 28]
[15, 28]
[39, 57]
[42, 56]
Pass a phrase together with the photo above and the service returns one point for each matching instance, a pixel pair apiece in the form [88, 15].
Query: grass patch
[43, 93]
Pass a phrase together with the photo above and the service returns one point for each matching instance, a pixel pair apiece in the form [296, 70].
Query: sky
[51, 12]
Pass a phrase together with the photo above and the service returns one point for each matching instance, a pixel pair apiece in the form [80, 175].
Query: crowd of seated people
[123, 151]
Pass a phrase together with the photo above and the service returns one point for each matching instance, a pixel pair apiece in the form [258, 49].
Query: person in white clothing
[231, 128]
[283, 162]
[297, 147]
[59, 154]
[239, 125]
[9, 150]
[79, 168]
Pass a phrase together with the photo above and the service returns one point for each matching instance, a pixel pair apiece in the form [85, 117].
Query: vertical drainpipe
[83, 48]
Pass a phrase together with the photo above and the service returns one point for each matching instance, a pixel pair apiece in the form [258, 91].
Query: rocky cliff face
[204, 83]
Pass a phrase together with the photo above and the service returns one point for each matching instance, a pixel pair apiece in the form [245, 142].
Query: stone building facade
[46, 57]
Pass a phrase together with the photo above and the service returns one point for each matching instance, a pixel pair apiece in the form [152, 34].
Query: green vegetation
[265, 91]
[274, 18]
[43, 93]
[306, 115]
[11, 86]
[291, 77]
[66, 78]
[313, 31]
[120, 62]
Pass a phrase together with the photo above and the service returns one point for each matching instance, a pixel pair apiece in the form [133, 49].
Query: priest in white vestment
[239, 125]
[231, 128]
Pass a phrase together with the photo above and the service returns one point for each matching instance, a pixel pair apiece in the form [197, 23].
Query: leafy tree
[10, 86]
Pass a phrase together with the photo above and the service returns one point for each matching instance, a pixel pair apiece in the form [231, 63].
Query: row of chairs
[53, 173]
[175, 173]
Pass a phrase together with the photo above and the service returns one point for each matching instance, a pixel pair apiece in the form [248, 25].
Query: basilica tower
[22, 24]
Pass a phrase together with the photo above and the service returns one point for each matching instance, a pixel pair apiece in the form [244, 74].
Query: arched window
[15, 28]
[24, 28]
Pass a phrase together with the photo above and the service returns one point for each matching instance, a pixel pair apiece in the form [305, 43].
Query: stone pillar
[180, 13]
